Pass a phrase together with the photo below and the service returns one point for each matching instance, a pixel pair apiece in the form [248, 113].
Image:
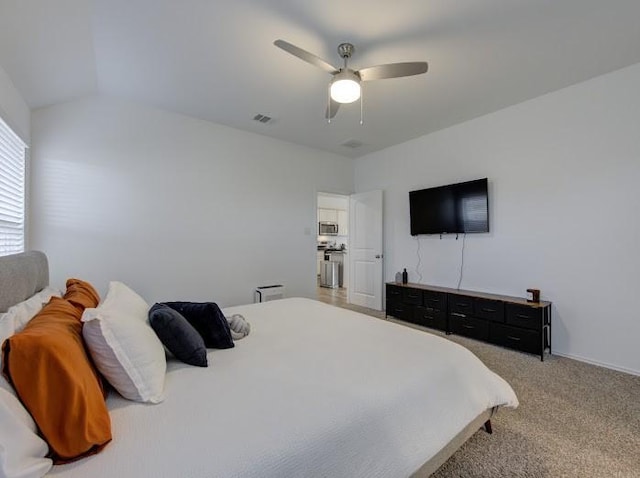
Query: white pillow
[6, 331]
[20, 314]
[22, 451]
[123, 345]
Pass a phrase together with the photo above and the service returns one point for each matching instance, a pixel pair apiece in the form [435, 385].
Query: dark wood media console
[499, 319]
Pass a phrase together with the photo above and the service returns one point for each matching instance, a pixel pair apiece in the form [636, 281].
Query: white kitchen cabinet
[343, 222]
[327, 215]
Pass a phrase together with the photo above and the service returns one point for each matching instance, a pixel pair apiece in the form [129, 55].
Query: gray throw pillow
[178, 335]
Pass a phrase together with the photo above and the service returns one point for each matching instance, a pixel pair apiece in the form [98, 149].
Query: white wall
[13, 109]
[564, 174]
[176, 207]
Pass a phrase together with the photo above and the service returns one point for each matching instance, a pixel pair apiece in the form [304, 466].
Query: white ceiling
[215, 60]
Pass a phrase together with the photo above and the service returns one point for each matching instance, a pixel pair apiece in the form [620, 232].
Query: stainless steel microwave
[327, 228]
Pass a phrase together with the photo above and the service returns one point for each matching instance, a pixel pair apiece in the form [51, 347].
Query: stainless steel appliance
[330, 274]
[327, 228]
[335, 256]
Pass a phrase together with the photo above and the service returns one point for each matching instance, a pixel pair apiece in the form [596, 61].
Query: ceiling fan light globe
[345, 90]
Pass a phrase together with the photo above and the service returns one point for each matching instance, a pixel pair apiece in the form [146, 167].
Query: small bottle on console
[405, 276]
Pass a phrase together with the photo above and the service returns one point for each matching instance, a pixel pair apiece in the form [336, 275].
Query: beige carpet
[574, 420]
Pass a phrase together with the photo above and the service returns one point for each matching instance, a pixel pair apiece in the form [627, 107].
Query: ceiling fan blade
[332, 108]
[306, 56]
[393, 70]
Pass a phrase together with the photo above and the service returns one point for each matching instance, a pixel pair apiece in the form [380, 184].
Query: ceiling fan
[345, 83]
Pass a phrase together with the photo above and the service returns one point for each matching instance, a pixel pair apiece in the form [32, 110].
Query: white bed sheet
[314, 390]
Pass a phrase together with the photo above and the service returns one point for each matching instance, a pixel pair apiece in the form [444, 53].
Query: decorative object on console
[405, 276]
[533, 295]
[502, 320]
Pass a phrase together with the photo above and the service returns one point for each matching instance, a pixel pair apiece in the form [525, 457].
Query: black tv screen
[455, 208]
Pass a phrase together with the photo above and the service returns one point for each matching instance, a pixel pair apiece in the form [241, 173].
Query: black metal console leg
[549, 330]
[487, 427]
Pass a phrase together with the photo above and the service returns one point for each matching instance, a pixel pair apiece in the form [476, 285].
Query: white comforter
[313, 391]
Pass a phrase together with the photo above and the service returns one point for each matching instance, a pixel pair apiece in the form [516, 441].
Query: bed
[314, 390]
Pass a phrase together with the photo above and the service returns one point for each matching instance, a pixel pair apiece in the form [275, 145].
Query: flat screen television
[452, 209]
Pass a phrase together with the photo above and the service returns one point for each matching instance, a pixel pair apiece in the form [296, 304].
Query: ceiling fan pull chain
[361, 107]
[329, 103]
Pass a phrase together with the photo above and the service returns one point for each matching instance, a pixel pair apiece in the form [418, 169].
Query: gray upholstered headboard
[21, 276]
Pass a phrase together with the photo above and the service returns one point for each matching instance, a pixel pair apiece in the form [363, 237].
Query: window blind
[12, 191]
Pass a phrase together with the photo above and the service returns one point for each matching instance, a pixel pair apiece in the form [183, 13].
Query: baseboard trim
[599, 364]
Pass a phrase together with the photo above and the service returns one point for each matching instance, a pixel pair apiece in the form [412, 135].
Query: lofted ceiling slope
[215, 60]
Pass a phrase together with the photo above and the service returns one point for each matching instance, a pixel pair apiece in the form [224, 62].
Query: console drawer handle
[429, 309]
[461, 304]
[468, 326]
[434, 300]
[517, 339]
[523, 316]
[488, 310]
[458, 314]
[412, 296]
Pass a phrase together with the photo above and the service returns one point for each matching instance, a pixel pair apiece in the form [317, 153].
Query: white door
[365, 249]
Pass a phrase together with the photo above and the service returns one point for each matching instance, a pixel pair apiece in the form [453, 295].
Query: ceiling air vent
[352, 143]
[260, 118]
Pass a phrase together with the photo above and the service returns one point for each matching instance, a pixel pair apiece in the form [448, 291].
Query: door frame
[315, 212]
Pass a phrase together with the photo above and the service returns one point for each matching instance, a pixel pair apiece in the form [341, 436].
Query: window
[12, 191]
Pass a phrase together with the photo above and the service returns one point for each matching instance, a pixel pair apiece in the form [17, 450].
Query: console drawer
[524, 316]
[460, 304]
[489, 309]
[412, 296]
[436, 300]
[394, 292]
[516, 338]
[470, 327]
[399, 310]
[430, 317]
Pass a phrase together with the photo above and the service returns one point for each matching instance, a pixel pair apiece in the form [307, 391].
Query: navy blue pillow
[208, 320]
[177, 335]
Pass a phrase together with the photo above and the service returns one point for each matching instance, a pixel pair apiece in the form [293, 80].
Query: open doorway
[332, 271]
